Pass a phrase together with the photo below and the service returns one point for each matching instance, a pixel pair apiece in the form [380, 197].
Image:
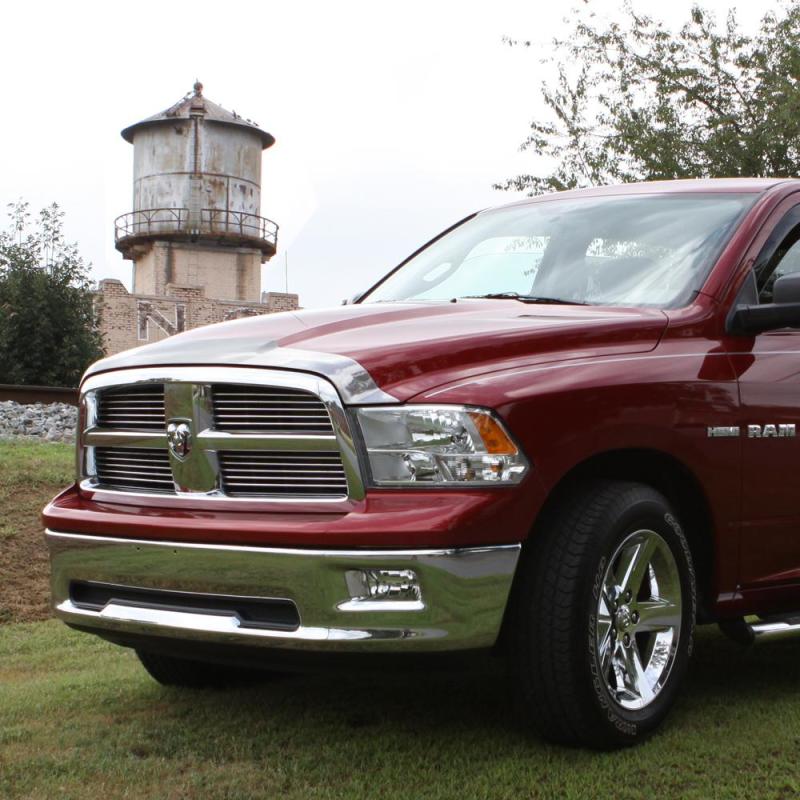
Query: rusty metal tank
[197, 177]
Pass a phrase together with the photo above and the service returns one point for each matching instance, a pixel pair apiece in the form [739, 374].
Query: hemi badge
[723, 432]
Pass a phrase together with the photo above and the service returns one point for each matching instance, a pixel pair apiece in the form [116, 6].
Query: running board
[762, 629]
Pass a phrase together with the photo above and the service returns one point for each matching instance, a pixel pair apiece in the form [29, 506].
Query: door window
[780, 255]
[786, 261]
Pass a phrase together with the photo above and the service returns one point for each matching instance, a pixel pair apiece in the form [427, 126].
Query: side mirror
[752, 320]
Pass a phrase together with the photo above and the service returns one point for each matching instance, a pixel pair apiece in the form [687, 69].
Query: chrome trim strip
[463, 592]
[108, 437]
[187, 395]
[223, 440]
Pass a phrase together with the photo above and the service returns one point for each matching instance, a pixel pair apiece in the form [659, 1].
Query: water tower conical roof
[196, 104]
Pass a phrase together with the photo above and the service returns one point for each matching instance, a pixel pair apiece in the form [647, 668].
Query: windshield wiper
[525, 298]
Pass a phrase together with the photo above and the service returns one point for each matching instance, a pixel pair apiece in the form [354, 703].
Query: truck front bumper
[422, 600]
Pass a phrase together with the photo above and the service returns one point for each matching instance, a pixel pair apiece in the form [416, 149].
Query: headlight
[433, 445]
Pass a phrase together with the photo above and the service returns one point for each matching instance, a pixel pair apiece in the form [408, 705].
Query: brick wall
[129, 320]
[280, 301]
[229, 273]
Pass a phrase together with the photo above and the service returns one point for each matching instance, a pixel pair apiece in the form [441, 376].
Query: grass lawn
[79, 718]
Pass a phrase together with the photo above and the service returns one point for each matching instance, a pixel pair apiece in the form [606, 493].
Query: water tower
[197, 202]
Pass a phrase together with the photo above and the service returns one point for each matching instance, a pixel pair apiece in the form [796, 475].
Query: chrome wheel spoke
[634, 563]
[637, 681]
[658, 615]
[605, 650]
[605, 613]
[605, 626]
[608, 595]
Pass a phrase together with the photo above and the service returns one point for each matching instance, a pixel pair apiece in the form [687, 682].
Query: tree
[47, 325]
[633, 100]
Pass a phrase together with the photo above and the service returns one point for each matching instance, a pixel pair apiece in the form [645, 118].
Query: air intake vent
[269, 409]
[251, 612]
[137, 408]
[256, 473]
[134, 469]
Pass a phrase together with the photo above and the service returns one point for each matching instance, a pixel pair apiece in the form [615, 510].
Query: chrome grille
[267, 473]
[209, 433]
[137, 408]
[269, 409]
[133, 468]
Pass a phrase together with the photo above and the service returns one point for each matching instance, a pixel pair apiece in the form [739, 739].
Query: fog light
[382, 590]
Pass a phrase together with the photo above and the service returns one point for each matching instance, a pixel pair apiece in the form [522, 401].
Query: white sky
[392, 120]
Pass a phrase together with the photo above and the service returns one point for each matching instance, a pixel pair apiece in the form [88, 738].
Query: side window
[780, 256]
[786, 261]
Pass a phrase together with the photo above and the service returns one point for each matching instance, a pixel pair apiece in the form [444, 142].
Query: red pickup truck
[565, 429]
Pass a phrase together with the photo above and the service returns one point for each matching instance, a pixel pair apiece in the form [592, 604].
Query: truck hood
[377, 353]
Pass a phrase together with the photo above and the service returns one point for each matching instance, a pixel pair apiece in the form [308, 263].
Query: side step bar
[761, 629]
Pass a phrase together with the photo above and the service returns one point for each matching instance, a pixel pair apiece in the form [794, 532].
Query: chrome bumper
[462, 593]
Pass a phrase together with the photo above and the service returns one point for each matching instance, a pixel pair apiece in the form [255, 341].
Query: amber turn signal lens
[494, 437]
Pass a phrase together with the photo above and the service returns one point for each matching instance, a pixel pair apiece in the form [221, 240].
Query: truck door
[768, 366]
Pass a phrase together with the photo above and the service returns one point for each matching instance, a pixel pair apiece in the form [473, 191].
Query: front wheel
[604, 616]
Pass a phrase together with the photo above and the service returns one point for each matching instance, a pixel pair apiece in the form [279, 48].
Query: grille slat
[133, 468]
[118, 416]
[238, 392]
[144, 474]
[271, 409]
[129, 462]
[302, 486]
[247, 473]
[133, 402]
[133, 408]
[299, 479]
[144, 391]
[312, 474]
[278, 414]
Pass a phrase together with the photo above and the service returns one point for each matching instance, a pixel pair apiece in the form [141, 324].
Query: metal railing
[38, 394]
[206, 222]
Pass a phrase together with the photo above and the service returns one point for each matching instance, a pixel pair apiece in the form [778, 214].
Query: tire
[191, 674]
[569, 643]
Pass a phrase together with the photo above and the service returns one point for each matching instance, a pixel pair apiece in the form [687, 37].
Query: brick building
[195, 235]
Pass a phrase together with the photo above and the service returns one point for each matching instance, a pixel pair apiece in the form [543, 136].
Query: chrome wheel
[639, 615]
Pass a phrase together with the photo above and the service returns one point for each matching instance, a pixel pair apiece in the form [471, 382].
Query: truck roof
[689, 185]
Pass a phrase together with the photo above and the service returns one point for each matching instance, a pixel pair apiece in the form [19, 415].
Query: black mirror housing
[748, 320]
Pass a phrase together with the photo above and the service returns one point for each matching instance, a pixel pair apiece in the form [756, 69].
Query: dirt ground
[24, 588]
[30, 475]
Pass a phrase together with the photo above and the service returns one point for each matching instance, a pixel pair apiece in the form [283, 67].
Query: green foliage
[47, 325]
[633, 100]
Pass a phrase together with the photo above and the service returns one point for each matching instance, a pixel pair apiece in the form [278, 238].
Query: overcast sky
[392, 120]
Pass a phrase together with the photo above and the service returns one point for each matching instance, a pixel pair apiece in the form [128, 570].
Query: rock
[52, 422]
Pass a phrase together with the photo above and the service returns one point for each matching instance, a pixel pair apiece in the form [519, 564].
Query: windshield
[644, 250]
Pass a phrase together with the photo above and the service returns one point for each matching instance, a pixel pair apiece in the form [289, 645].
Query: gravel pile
[52, 422]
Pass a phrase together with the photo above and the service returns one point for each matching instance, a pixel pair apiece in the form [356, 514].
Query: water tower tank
[197, 178]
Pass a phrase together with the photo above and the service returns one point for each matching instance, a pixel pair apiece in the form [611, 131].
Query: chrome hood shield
[354, 384]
